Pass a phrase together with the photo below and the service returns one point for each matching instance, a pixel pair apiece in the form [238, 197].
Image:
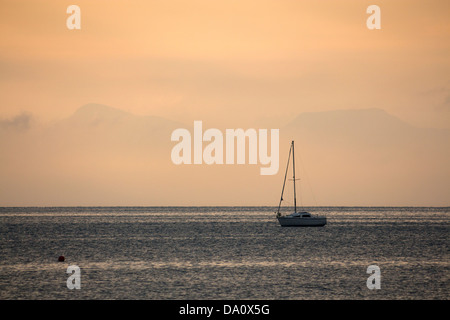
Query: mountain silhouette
[92, 115]
[102, 155]
[100, 127]
[362, 129]
[368, 151]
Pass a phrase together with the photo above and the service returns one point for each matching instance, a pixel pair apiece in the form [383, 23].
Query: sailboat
[302, 218]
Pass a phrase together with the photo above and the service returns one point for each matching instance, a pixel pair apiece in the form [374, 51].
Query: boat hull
[302, 221]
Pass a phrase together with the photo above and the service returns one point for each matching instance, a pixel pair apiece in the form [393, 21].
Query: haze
[86, 115]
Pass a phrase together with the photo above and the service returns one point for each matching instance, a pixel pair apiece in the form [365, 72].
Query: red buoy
[61, 258]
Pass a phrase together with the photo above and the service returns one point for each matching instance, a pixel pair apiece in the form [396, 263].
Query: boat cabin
[303, 214]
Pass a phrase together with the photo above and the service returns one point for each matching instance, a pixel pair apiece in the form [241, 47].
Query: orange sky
[229, 63]
[190, 59]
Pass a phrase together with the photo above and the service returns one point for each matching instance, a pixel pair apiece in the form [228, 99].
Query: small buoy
[61, 258]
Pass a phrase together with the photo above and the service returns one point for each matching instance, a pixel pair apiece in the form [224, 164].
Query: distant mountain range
[106, 156]
[369, 151]
[98, 114]
[370, 127]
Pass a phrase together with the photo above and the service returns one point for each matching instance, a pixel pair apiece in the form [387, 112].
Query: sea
[230, 253]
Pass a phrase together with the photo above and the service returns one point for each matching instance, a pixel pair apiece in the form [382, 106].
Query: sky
[234, 63]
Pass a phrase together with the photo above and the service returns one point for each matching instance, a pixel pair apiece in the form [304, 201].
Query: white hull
[289, 221]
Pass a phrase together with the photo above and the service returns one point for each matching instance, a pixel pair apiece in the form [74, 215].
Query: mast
[285, 175]
[293, 173]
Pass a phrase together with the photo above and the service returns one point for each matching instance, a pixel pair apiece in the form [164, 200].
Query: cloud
[20, 122]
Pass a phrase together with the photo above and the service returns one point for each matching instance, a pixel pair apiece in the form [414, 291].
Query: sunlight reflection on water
[222, 253]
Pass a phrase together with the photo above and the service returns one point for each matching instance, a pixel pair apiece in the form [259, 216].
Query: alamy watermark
[374, 281]
[374, 20]
[218, 151]
[73, 22]
[74, 281]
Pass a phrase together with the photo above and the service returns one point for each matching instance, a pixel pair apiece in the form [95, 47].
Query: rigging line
[284, 182]
[293, 176]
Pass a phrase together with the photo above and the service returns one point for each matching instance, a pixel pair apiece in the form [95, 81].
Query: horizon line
[224, 206]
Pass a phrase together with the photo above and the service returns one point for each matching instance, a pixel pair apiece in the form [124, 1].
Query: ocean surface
[223, 253]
